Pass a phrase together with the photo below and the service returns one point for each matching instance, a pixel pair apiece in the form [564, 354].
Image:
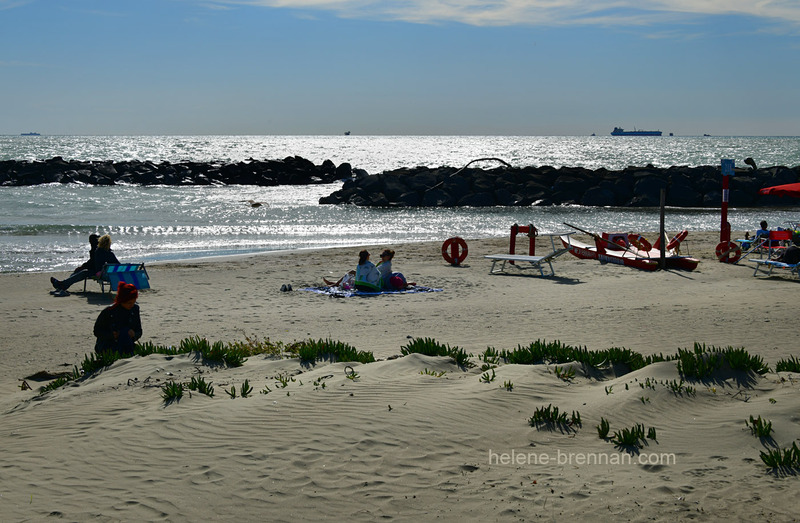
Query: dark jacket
[89, 264]
[117, 319]
[103, 256]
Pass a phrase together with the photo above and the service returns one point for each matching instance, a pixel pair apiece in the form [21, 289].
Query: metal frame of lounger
[537, 262]
[793, 267]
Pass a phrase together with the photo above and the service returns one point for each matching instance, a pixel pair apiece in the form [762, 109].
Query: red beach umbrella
[790, 189]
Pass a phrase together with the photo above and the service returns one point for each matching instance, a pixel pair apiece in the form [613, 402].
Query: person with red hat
[119, 326]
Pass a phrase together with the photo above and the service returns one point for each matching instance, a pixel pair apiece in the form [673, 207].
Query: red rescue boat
[631, 250]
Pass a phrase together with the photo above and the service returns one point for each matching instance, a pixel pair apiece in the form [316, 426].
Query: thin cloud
[541, 12]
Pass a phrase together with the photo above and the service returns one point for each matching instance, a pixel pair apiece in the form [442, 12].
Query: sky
[399, 67]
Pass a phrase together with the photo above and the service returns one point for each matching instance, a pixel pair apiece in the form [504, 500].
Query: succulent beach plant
[788, 365]
[759, 427]
[782, 459]
[552, 417]
[430, 347]
[171, 391]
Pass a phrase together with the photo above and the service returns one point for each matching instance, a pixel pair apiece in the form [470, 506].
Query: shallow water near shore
[45, 228]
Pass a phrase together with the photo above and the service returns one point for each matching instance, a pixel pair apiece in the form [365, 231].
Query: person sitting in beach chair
[119, 326]
[102, 255]
[89, 264]
[791, 255]
[763, 232]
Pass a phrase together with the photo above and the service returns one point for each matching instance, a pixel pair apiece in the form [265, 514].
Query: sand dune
[402, 441]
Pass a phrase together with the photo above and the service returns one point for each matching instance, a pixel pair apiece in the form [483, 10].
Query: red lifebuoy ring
[677, 239]
[454, 250]
[728, 252]
[639, 241]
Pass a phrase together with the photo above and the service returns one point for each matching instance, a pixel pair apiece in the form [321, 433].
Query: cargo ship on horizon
[619, 131]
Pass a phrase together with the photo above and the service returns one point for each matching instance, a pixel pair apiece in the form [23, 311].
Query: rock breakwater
[507, 186]
[292, 170]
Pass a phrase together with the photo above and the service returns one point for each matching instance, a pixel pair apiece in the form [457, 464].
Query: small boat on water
[619, 131]
[631, 250]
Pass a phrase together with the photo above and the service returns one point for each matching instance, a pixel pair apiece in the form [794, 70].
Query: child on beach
[119, 326]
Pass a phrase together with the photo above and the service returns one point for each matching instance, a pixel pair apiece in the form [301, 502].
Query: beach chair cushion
[112, 274]
[133, 273]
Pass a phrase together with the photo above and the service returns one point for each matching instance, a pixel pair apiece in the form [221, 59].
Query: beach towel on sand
[347, 293]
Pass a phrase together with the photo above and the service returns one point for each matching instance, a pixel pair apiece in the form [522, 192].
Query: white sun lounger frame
[536, 262]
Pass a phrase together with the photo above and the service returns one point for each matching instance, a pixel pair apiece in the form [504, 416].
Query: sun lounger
[111, 275]
[537, 262]
[766, 267]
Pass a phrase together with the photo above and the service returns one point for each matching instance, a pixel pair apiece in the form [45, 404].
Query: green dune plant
[200, 385]
[508, 385]
[759, 427]
[490, 356]
[788, 365]
[311, 351]
[541, 351]
[697, 363]
[630, 437]
[603, 429]
[245, 389]
[567, 374]
[282, 380]
[783, 459]
[430, 347]
[678, 388]
[61, 381]
[553, 417]
[487, 377]
[701, 362]
[172, 391]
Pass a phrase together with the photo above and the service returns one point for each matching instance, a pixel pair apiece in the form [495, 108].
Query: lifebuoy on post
[640, 242]
[676, 241]
[454, 250]
[728, 252]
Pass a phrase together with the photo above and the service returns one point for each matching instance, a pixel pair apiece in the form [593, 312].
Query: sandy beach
[402, 441]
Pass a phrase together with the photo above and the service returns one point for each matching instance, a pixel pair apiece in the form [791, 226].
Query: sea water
[46, 227]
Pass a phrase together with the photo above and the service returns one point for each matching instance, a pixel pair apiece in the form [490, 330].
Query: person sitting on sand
[368, 277]
[119, 326]
[392, 281]
[385, 267]
[102, 255]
